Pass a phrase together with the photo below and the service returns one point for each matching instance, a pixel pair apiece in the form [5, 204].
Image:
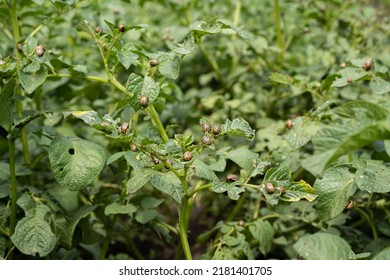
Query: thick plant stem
[19, 106]
[183, 227]
[15, 26]
[279, 37]
[23, 137]
[157, 122]
[11, 146]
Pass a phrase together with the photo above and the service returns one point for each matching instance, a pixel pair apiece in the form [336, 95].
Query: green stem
[19, 106]
[91, 78]
[11, 146]
[209, 185]
[23, 136]
[157, 122]
[236, 209]
[15, 26]
[212, 63]
[279, 36]
[183, 227]
[237, 12]
[372, 224]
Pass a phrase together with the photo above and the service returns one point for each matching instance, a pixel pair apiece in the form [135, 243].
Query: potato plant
[194, 129]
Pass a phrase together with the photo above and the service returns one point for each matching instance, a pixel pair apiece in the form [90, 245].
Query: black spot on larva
[71, 151]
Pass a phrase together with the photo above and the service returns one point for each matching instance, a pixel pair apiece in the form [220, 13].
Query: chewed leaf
[232, 189]
[75, 162]
[239, 127]
[33, 234]
[297, 191]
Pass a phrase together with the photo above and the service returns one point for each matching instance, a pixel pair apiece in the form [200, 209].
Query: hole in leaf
[71, 151]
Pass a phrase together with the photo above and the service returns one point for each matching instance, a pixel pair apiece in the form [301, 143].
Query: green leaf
[387, 147]
[186, 47]
[263, 232]
[203, 27]
[30, 81]
[84, 26]
[372, 176]
[239, 127]
[202, 170]
[300, 133]
[383, 255]
[139, 86]
[244, 158]
[280, 174]
[231, 188]
[169, 65]
[296, 191]
[379, 86]
[91, 118]
[145, 216]
[29, 45]
[33, 234]
[6, 104]
[138, 180]
[168, 183]
[334, 190]
[278, 78]
[114, 157]
[360, 123]
[75, 162]
[349, 72]
[127, 58]
[323, 246]
[151, 202]
[68, 228]
[116, 208]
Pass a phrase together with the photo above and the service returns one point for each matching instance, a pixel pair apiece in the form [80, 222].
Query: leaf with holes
[33, 234]
[75, 162]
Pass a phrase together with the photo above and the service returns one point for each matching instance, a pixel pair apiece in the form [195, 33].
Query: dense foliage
[194, 129]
